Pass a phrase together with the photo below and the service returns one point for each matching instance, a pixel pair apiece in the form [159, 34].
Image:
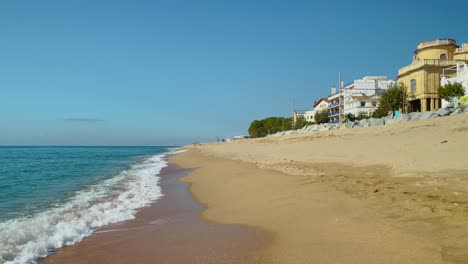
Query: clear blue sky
[116, 72]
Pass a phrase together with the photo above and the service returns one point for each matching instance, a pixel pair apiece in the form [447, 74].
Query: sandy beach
[392, 194]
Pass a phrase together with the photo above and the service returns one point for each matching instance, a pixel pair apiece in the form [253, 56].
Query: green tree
[270, 125]
[302, 122]
[451, 90]
[394, 98]
[350, 117]
[322, 117]
[379, 112]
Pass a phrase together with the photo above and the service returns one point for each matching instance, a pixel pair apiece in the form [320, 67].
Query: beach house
[422, 78]
[321, 104]
[363, 95]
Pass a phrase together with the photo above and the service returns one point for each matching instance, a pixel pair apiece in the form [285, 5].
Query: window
[443, 57]
[413, 85]
[363, 104]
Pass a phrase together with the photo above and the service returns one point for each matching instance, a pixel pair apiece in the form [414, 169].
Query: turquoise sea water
[55, 196]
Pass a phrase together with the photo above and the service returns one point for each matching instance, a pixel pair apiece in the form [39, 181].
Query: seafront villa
[422, 77]
[321, 104]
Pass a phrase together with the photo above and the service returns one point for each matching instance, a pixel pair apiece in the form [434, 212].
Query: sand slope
[392, 194]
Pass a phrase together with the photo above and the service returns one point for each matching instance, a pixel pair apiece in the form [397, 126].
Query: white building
[460, 75]
[362, 104]
[363, 95]
[309, 115]
[319, 105]
[335, 106]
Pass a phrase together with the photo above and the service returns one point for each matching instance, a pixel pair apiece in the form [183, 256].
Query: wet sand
[169, 231]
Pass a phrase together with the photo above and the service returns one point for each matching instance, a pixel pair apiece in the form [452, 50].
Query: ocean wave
[28, 239]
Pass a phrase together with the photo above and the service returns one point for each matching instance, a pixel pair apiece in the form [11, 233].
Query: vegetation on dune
[302, 122]
[272, 125]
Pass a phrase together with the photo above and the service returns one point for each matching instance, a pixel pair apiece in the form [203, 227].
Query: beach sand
[169, 231]
[390, 194]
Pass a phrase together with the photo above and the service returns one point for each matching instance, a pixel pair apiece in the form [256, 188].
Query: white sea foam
[25, 240]
[175, 151]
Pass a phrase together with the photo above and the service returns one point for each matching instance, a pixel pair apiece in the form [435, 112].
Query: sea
[52, 197]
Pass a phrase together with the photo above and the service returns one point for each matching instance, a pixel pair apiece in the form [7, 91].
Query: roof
[362, 96]
[320, 100]
[359, 97]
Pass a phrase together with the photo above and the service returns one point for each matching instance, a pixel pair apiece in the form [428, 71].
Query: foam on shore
[28, 239]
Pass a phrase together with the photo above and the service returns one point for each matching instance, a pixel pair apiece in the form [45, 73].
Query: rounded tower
[437, 49]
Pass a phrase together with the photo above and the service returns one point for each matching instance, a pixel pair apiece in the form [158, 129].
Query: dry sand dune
[390, 194]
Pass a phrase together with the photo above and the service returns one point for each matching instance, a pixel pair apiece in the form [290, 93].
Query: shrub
[451, 90]
[322, 117]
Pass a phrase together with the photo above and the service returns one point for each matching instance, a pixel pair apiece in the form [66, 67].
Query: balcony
[336, 121]
[332, 104]
[334, 113]
[420, 63]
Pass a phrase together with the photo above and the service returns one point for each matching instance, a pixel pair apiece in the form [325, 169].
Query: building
[363, 95]
[357, 104]
[422, 77]
[335, 106]
[456, 74]
[309, 116]
[297, 114]
[321, 104]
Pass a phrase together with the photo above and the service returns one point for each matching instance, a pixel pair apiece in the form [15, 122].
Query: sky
[88, 72]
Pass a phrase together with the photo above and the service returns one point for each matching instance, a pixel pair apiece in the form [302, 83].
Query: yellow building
[422, 76]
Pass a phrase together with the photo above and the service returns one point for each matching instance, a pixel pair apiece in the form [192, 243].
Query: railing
[436, 42]
[420, 63]
[332, 104]
[334, 113]
[337, 121]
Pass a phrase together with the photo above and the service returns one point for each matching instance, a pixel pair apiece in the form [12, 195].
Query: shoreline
[168, 231]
